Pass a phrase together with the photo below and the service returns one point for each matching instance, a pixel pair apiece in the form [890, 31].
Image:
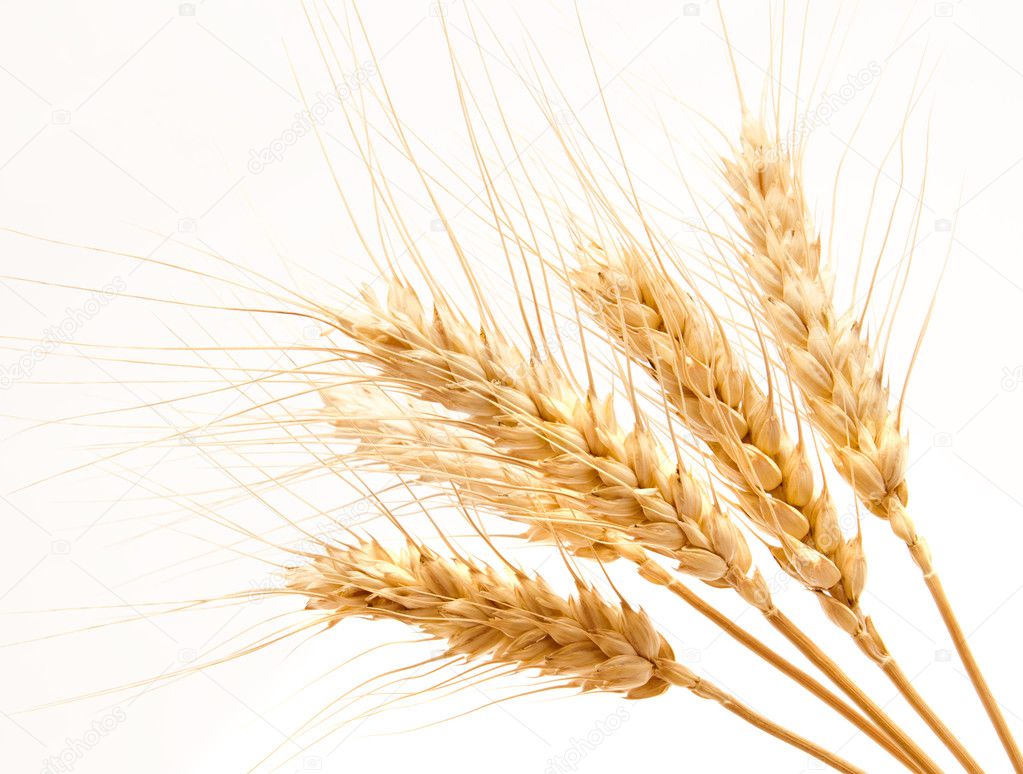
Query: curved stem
[835, 673]
[880, 735]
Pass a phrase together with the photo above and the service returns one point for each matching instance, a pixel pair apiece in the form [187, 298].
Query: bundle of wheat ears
[677, 439]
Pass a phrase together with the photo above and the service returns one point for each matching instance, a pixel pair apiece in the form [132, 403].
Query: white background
[131, 126]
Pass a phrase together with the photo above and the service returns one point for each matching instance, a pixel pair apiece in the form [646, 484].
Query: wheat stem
[962, 647]
[837, 675]
[884, 739]
[901, 681]
[779, 732]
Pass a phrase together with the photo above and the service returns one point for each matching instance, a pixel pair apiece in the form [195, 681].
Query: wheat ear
[505, 617]
[404, 434]
[831, 360]
[663, 328]
[533, 414]
[718, 400]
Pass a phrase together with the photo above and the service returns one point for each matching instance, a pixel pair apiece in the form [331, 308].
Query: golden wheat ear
[505, 617]
[533, 414]
[833, 363]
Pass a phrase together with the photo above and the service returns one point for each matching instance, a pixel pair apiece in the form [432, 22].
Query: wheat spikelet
[828, 355]
[716, 397]
[532, 413]
[398, 431]
[407, 436]
[832, 362]
[503, 616]
[485, 612]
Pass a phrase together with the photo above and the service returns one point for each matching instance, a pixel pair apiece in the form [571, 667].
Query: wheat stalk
[831, 360]
[534, 414]
[505, 617]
